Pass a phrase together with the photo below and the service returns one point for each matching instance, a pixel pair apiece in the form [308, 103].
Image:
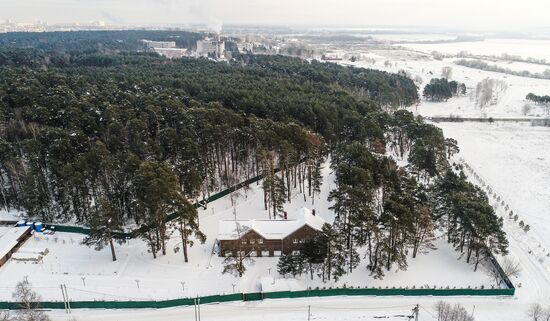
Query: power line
[431, 314]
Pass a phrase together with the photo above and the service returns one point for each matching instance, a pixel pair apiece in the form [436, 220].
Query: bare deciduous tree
[5, 315]
[447, 312]
[235, 261]
[489, 92]
[509, 268]
[447, 72]
[537, 313]
[29, 303]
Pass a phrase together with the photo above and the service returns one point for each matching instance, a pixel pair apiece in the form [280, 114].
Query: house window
[260, 241]
[243, 241]
[228, 253]
[295, 252]
[295, 241]
[302, 240]
[252, 241]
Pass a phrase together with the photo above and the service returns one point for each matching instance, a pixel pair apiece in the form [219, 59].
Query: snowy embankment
[91, 275]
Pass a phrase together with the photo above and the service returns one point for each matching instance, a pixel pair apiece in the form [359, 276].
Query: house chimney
[313, 212]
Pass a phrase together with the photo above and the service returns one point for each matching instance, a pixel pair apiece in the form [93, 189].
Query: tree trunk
[112, 247]
[184, 241]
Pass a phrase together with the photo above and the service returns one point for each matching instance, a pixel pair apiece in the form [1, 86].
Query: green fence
[256, 296]
[134, 233]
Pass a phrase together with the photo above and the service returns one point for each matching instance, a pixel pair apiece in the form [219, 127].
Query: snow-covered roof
[8, 240]
[269, 229]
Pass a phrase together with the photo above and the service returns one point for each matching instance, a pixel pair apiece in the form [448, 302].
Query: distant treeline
[540, 100]
[505, 57]
[95, 41]
[479, 64]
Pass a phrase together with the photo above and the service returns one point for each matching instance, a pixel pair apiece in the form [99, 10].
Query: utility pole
[308, 312]
[415, 312]
[196, 313]
[67, 303]
[64, 298]
[199, 307]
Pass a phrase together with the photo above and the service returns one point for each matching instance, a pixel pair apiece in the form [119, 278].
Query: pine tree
[316, 180]
[274, 187]
[285, 265]
[313, 254]
[187, 224]
[156, 187]
[104, 221]
[424, 231]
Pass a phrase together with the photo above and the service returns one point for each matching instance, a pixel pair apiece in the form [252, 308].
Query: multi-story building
[171, 52]
[160, 44]
[211, 48]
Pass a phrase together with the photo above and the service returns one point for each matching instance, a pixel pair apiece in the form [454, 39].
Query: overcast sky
[509, 15]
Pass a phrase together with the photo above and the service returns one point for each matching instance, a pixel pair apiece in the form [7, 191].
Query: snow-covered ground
[337, 309]
[11, 215]
[92, 275]
[525, 48]
[510, 104]
[514, 159]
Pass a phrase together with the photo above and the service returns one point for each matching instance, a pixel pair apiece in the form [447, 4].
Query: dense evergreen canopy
[96, 130]
[76, 125]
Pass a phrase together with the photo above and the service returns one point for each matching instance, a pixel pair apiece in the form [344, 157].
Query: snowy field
[519, 47]
[509, 106]
[514, 160]
[92, 275]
